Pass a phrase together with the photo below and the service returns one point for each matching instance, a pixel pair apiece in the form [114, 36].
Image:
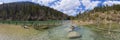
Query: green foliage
[24, 11]
[106, 8]
[101, 13]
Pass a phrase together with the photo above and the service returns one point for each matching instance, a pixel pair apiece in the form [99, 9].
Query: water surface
[57, 33]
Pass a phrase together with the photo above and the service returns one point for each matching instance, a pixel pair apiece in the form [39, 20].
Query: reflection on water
[57, 33]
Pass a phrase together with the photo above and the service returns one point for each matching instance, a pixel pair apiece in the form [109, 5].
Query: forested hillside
[103, 13]
[28, 11]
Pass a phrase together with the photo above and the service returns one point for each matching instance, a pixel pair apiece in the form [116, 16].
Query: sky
[70, 7]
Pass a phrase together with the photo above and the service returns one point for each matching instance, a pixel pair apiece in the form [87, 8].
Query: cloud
[70, 7]
[9, 1]
[67, 6]
[90, 4]
[1, 2]
[110, 3]
[43, 2]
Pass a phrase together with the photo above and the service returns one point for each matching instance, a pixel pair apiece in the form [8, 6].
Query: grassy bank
[50, 22]
[15, 31]
[38, 25]
[110, 31]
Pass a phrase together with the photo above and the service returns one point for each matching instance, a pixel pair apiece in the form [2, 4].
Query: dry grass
[7, 32]
[79, 22]
[103, 33]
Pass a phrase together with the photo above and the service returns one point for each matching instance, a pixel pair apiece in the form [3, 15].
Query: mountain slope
[28, 11]
[104, 13]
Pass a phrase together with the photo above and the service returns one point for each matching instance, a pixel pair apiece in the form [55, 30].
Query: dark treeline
[28, 11]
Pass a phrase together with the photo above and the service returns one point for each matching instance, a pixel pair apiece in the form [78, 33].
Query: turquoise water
[57, 33]
[60, 33]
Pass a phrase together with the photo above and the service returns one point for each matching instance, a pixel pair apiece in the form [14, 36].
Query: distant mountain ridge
[28, 11]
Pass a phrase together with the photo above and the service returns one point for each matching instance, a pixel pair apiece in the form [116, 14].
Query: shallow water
[57, 33]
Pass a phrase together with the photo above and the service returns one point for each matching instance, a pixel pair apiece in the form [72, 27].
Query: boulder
[26, 26]
[73, 34]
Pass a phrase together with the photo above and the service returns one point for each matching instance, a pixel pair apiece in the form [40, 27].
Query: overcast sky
[70, 7]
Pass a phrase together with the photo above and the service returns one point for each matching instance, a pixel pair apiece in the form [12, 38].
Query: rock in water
[26, 27]
[74, 34]
[44, 27]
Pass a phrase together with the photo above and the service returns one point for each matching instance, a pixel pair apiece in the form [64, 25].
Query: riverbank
[12, 31]
[109, 31]
[105, 30]
[81, 22]
[15, 32]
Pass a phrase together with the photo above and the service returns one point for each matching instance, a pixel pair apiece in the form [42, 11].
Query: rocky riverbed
[16, 32]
